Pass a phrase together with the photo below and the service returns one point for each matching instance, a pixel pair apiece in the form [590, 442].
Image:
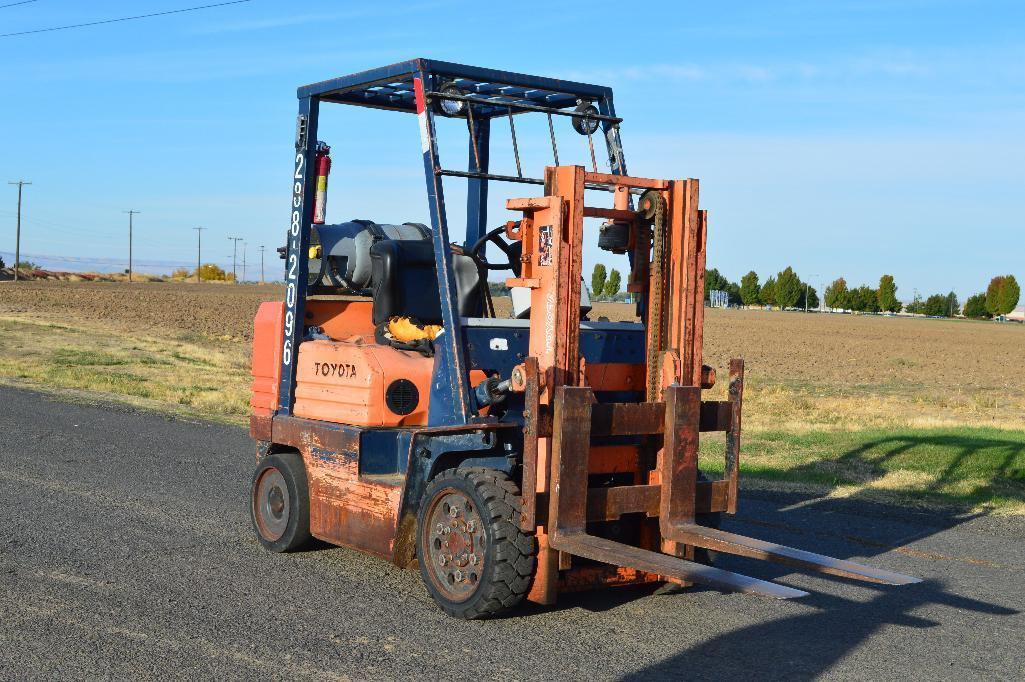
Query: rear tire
[474, 559]
[280, 502]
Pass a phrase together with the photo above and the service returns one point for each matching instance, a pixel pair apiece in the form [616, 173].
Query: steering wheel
[512, 251]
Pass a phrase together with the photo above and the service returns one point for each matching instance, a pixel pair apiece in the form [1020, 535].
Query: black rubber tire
[510, 555]
[295, 506]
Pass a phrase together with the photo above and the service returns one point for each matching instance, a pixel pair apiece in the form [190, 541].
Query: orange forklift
[508, 457]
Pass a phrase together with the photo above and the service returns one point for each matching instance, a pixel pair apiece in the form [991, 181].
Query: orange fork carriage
[562, 416]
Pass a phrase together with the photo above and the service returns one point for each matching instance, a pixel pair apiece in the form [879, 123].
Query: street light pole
[807, 286]
[261, 264]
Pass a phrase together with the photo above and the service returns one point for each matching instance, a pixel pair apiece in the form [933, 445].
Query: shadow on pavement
[808, 644]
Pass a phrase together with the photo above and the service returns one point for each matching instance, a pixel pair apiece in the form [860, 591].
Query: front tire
[474, 559]
[280, 502]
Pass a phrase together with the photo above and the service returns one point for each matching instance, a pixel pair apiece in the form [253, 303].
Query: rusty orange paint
[590, 577]
[346, 509]
[345, 382]
[615, 376]
[612, 459]
[266, 360]
[341, 319]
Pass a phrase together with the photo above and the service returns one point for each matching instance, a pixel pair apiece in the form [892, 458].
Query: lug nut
[474, 559]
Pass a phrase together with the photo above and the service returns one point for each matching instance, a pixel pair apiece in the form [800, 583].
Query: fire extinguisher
[323, 169]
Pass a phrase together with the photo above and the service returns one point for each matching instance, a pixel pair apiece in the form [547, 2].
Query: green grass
[975, 467]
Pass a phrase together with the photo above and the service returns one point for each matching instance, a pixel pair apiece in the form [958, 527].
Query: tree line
[786, 290]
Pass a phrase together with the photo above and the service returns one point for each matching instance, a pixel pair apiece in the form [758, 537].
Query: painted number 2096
[291, 276]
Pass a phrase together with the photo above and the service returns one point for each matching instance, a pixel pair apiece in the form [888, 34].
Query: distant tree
[180, 273]
[715, 281]
[28, 265]
[935, 306]
[863, 299]
[768, 294]
[1002, 295]
[975, 307]
[993, 295]
[837, 293]
[812, 295]
[733, 289]
[612, 286]
[953, 307]
[749, 289]
[871, 298]
[916, 307]
[210, 272]
[788, 288]
[2, 266]
[1010, 292]
[888, 295]
[598, 276]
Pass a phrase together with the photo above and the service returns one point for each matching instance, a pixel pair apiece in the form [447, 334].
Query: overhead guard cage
[416, 86]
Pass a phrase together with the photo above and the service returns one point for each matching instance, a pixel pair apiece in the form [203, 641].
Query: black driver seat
[404, 282]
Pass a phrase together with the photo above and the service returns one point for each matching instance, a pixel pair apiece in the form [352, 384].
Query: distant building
[1017, 315]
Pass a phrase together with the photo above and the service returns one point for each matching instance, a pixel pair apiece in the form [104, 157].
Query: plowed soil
[799, 349]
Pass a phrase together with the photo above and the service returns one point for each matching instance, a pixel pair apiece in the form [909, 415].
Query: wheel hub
[271, 504]
[454, 539]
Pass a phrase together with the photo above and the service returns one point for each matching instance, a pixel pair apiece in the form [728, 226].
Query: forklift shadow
[807, 645]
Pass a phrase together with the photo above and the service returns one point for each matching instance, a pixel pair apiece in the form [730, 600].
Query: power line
[23, 2]
[113, 21]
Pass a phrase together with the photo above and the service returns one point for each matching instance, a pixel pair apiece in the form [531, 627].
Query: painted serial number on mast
[291, 276]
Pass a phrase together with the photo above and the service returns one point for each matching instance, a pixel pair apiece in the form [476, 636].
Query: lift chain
[653, 206]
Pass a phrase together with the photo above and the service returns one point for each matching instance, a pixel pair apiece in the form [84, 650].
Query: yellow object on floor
[402, 329]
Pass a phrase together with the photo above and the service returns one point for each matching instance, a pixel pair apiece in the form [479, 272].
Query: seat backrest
[404, 282]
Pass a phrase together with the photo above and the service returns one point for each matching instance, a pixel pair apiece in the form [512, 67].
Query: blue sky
[844, 138]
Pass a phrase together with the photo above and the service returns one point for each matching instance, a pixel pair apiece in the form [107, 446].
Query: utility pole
[243, 261]
[234, 257]
[806, 286]
[199, 252]
[130, 214]
[17, 239]
[261, 264]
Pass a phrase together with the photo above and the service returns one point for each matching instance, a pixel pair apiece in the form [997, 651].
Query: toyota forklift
[511, 457]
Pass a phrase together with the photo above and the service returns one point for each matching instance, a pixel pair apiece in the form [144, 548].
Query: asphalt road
[126, 552]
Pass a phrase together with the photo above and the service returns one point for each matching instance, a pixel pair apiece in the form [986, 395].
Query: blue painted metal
[452, 400]
[390, 87]
[477, 188]
[601, 346]
[298, 241]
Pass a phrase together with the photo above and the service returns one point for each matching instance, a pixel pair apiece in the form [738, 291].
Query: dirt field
[850, 405]
[821, 353]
